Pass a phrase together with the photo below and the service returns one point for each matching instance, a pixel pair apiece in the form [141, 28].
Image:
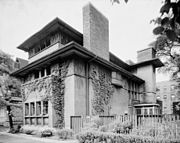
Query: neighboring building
[4, 72]
[168, 92]
[70, 74]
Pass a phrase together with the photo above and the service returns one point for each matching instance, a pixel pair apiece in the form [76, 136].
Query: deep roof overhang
[155, 62]
[146, 105]
[69, 50]
[51, 27]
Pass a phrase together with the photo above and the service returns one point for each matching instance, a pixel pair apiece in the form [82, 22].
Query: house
[70, 73]
[168, 92]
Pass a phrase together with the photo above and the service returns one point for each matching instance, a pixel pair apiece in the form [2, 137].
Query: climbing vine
[37, 85]
[58, 89]
[52, 88]
[103, 91]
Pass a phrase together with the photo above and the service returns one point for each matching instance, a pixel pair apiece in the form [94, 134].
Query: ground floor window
[36, 113]
[38, 108]
[147, 111]
[26, 109]
[45, 107]
[32, 108]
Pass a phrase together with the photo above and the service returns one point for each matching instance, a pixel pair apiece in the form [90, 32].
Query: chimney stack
[95, 31]
[146, 54]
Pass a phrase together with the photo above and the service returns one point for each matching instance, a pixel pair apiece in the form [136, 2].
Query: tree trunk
[10, 117]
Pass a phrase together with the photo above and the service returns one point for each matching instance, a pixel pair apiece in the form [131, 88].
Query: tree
[167, 43]
[9, 86]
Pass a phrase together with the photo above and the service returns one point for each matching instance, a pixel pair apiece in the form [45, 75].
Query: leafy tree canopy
[167, 30]
[9, 86]
[167, 43]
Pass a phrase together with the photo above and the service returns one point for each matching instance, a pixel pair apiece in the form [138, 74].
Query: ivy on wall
[103, 91]
[53, 88]
[37, 85]
[58, 89]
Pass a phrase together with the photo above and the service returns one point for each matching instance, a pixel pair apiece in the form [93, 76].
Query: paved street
[15, 138]
[12, 139]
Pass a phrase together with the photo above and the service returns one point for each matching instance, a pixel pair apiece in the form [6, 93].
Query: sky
[129, 24]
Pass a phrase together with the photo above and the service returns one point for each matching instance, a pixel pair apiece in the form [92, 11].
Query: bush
[115, 126]
[121, 128]
[27, 129]
[65, 134]
[159, 130]
[37, 130]
[93, 125]
[100, 137]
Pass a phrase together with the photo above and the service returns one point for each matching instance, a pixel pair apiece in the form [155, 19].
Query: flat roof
[51, 27]
[68, 50]
[155, 62]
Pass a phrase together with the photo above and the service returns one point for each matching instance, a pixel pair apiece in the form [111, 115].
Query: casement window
[45, 107]
[36, 113]
[165, 97]
[48, 70]
[36, 74]
[26, 109]
[38, 108]
[32, 108]
[150, 111]
[145, 112]
[42, 73]
[138, 111]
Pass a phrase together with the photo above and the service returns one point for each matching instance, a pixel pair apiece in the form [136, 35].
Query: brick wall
[95, 31]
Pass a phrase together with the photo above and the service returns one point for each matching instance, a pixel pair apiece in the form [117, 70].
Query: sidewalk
[46, 140]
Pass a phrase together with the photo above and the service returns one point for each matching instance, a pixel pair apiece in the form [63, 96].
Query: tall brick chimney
[148, 73]
[95, 31]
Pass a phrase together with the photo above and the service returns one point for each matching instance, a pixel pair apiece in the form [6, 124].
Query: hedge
[108, 137]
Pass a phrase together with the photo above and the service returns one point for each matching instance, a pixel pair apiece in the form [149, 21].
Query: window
[151, 111]
[37, 49]
[26, 109]
[47, 42]
[138, 111]
[145, 111]
[172, 87]
[42, 45]
[48, 70]
[32, 108]
[135, 96]
[165, 97]
[42, 72]
[172, 97]
[45, 107]
[158, 97]
[36, 74]
[38, 108]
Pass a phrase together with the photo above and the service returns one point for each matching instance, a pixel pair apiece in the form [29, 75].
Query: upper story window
[165, 97]
[42, 72]
[36, 74]
[48, 70]
[50, 40]
[157, 89]
[32, 108]
[172, 88]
